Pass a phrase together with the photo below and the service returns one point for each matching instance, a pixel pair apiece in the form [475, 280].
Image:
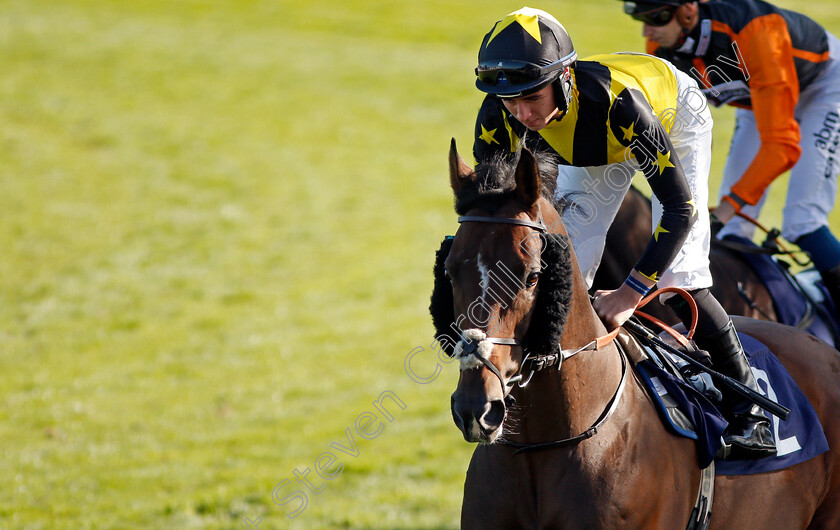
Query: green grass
[219, 221]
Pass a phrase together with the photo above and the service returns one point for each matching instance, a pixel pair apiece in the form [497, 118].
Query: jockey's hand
[615, 307]
[723, 213]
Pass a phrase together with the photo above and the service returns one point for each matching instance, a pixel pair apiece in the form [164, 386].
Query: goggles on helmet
[515, 72]
[650, 13]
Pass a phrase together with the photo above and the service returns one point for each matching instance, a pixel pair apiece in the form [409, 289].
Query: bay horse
[629, 472]
[736, 285]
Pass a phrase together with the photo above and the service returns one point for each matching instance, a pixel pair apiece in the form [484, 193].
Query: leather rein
[469, 346]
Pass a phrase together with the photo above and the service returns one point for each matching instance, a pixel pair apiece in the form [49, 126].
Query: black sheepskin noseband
[553, 298]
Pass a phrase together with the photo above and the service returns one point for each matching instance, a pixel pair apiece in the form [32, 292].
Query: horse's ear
[460, 173]
[527, 178]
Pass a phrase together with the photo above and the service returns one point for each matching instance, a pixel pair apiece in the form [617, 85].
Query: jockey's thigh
[812, 188]
[593, 196]
[742, 150]
[691, 136]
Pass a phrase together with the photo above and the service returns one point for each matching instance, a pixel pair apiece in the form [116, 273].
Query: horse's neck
[582, 323]
[575, 396]
[568, 401]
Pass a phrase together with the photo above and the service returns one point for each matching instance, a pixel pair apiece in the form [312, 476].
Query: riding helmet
[523, 53]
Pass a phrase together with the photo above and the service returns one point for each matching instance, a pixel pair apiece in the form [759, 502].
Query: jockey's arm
[767, 58]
[651, 147]
[658, 161]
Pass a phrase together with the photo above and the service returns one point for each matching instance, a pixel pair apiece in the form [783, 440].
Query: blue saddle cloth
[791, 305]
[687, 412]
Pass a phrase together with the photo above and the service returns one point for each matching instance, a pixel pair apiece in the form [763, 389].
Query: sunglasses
[514, 72]
[658, 16]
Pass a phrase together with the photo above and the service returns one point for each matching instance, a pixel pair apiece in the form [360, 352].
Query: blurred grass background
[217, 231]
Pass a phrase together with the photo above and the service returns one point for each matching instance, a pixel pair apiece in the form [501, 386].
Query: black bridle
[538, 225]
[470, 348]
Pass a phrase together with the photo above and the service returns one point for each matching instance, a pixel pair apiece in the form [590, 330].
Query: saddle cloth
[792, 306]
[687, 412]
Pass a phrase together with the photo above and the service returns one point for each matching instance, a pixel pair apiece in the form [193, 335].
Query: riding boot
[748, 432]
[831, 280]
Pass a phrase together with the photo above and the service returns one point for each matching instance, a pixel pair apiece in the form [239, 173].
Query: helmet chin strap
[563, 87]
[680, 41]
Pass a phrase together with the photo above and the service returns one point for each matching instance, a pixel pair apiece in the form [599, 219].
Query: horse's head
[503, 284]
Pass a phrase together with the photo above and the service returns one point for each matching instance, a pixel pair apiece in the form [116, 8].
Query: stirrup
[763, 444]
[724, 450]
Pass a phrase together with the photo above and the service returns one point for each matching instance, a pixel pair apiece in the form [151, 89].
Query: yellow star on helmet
[526, 18]
[628, 132]
[487, 136]
[663, 161]
[659, 230]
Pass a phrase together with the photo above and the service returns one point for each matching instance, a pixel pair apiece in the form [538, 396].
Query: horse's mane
[496, 180]
[494, 184]
[566, 203]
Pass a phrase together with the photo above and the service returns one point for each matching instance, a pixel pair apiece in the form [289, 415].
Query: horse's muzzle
[479, 420]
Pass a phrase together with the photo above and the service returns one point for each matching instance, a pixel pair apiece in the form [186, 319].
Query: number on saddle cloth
[686, 411]
[800, 437]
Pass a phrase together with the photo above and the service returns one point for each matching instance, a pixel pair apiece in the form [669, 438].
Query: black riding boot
[748, 433]
[831, 280]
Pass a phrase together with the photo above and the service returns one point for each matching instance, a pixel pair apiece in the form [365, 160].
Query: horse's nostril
[494, 415]
[477, 419]
[459, 422]
[457, 419]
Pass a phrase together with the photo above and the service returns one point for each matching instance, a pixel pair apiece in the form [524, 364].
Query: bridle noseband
[469, 347]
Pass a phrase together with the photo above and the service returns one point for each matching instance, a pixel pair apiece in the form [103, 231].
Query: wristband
[637, 286]
[735, 201]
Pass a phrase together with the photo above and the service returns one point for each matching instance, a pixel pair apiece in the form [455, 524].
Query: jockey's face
[534, 111]
[666, 36]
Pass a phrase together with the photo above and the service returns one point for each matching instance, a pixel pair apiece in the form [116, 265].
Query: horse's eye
[532, 279]
[446, 275]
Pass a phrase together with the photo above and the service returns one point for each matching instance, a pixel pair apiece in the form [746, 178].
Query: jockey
[782, 70]
[604, 118]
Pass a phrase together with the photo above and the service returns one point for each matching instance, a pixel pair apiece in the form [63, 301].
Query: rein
[470, 346]
[591, 431]
[772, 246]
